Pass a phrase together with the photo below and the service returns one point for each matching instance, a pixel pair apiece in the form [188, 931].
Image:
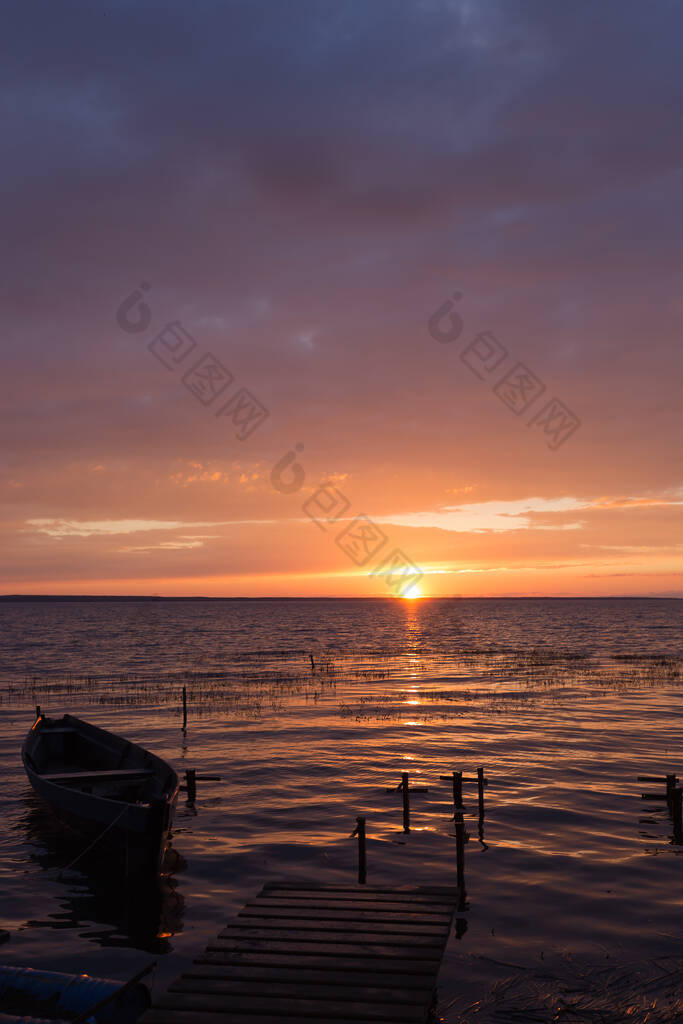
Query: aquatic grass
[648, 992]
[260, 682]
[514, 680]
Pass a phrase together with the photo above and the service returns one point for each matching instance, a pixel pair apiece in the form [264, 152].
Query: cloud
[671, 500]
[524, 514]
[494, 516]
[114, 527]
[168, 545]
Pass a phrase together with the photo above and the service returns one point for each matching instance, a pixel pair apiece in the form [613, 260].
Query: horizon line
[330, 597]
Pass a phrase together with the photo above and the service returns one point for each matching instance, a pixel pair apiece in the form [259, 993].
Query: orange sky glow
[271, 330]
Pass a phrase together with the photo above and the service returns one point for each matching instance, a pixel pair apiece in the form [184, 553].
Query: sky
[341, 298]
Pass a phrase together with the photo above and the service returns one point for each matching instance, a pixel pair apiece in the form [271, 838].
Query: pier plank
[331, 927]
[364, 892]
[367, 947]
[349, 1007]
[333, 954]
[228, 1017]
[313, 961]
[395, 918]
[310, 903]
[293, 989]
[299, 974]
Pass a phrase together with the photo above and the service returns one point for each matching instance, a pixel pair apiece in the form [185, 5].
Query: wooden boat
[112, 791]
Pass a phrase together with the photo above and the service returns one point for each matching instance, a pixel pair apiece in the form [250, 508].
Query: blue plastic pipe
[72, 994]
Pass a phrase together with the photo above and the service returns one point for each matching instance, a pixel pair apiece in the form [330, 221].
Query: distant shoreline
[94, 598]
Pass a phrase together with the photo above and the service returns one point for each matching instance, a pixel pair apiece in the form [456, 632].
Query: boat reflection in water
[139, 913]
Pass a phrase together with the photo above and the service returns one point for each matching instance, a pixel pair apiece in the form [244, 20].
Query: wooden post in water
[456, 777]
[406, 801]
[670, 787]
[191, 778]
[362, 866]
[37, 710]
[677, 813]
[457, 792]
[184, 707]
[480, 787]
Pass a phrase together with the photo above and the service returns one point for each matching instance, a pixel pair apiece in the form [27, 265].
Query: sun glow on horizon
[412, 593]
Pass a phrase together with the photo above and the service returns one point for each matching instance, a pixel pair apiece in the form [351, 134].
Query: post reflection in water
[480, 829]
[145, 914]
[659, 829]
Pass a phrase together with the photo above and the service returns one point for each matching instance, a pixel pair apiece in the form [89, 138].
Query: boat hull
[124, 815]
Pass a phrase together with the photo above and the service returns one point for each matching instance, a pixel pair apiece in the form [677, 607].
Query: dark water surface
[564, 702]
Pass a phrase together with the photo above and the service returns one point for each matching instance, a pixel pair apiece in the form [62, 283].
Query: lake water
[564, 702]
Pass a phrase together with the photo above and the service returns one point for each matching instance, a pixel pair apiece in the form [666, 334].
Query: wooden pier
[318, 954]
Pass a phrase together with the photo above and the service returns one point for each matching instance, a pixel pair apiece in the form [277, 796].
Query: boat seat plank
[124, 774]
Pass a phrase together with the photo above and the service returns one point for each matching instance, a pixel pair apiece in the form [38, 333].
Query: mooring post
[184, 707]
[677, 813]
[37, 710]
[362, 872]
[312, 663]
[406, 801]
[480, 787]
[191, 779]
[670, 787]
[456, 778]
[457, 793]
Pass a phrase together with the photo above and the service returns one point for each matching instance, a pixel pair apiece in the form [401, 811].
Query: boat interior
[81, 757]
